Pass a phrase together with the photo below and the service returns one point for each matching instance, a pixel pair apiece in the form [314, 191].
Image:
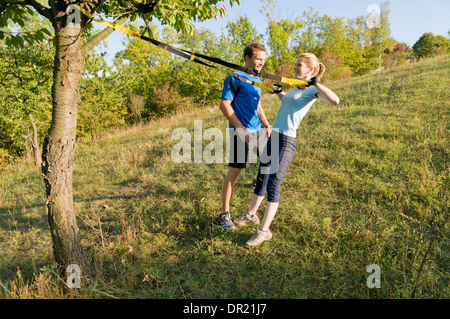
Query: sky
[409, 19]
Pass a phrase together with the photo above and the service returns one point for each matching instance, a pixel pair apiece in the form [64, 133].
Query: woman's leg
[254, 205]
[287, 150]
[257, 197]
[258, 193]
[269, 214]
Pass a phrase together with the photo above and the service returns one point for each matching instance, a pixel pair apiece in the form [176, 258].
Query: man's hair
[252, 47]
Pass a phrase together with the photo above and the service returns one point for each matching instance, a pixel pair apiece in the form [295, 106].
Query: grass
[369, 185]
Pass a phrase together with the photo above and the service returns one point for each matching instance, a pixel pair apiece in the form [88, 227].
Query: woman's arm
[280, 95]
[326, 95]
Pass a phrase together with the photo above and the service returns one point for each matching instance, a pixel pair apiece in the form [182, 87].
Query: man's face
[256, 61]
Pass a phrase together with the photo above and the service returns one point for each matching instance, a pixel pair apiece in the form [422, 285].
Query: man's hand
[269, 131]
[243, 134]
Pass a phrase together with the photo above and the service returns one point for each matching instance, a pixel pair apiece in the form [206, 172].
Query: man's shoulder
[247, 76]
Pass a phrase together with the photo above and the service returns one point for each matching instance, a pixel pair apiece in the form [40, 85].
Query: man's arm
[262, 116]
[227, 110]
[263, 119]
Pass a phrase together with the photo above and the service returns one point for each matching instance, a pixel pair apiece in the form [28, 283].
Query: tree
[59, 144]
[241, 33]
[25, 86]
[380, 38]
[430, 45]
[282, 35]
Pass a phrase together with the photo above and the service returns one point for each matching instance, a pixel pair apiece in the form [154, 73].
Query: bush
[431, 45]
[334, 67]
[102, 108]
[164, 100]
[399, 55]
[5, 158]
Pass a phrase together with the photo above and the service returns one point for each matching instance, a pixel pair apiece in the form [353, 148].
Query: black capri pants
[280, 150]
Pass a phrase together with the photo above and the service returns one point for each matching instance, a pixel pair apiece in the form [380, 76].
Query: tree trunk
[59, 148]
[35, 143]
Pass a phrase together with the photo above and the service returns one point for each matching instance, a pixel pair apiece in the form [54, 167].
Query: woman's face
[302, 72]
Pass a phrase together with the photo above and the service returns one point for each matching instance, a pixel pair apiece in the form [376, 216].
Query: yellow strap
[135, 34]
[293, 81]
[111, 24]
[264, 87]
[192, 53]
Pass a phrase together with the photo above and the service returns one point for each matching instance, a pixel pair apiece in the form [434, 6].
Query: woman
[294, 106]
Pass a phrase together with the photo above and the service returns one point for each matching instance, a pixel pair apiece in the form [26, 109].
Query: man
[241, 105]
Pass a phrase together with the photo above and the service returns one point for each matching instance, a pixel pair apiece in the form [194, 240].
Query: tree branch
[101, 36]
[19, 2]
[44, 11]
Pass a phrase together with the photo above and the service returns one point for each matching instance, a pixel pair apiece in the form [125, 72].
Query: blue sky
[409, 19]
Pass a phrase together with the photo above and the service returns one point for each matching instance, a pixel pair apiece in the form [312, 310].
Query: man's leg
[228, 186]
[260, 187]
[227, 193]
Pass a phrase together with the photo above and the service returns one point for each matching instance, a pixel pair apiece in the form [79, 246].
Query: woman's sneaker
[241, 221]
[225, 221]
[259, 237]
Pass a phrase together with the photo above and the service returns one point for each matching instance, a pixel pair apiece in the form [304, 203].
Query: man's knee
[233, 173]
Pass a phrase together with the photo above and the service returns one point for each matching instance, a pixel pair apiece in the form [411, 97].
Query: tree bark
[59, 147]
[59, 144]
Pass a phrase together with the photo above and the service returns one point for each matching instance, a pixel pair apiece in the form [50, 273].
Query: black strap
[235, 92]
[190, 55]
[224, 63]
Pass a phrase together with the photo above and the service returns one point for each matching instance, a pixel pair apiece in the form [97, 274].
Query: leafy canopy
[179, 14]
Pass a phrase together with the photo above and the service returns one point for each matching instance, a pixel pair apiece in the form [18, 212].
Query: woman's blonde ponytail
[312, 61]
[320, 71]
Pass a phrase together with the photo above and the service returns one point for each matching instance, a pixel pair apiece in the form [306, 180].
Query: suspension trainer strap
[191, 56]
[264, 75]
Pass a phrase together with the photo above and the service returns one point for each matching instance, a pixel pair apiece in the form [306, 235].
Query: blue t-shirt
[294, 106]
[246, 102]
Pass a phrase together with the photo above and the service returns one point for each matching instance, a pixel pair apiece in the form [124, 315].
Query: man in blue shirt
[241, 105]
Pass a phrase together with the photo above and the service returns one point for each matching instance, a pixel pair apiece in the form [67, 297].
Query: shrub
[431, 45]
[164, 100]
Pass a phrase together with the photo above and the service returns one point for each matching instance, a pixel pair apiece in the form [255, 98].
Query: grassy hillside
[369, 185]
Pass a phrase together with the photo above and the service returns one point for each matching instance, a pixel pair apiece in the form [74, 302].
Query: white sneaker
[259, 237]
[241, 221]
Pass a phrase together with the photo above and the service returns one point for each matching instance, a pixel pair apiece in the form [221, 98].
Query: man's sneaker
[241, 221]
[225, 221]
[259, 237]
